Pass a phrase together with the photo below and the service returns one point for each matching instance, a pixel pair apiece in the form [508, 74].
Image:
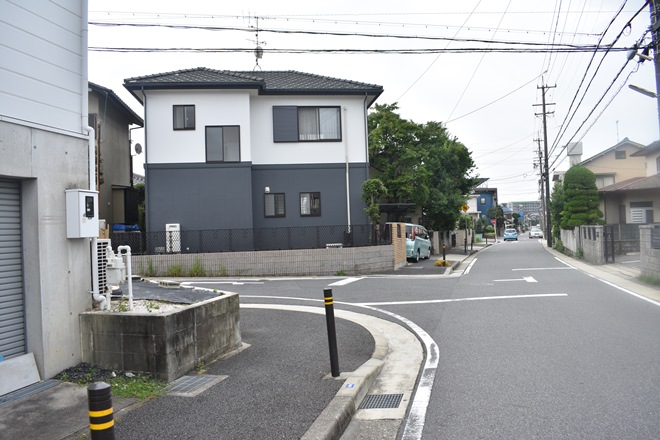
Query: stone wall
[650, 256]
[302, 262]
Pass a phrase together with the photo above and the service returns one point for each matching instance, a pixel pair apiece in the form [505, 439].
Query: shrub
[197, 270]
[175, 270]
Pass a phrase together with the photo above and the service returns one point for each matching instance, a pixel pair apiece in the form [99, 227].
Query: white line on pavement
[544, 268]
[346, 281]
[481, 298]
[467, 271]
[527, 279]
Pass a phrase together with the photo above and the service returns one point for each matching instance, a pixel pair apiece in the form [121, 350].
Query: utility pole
[541, 187]
[546, 171]
[655, 36]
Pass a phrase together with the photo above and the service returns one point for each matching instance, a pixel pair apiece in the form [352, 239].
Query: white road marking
[233, 283]
[480, 298]
[629, 292]
[544, 268]
[527, 279]
[467, 270]
[346, 281]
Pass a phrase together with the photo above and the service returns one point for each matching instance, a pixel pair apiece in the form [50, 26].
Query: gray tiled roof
[132, 116]
[267, 82]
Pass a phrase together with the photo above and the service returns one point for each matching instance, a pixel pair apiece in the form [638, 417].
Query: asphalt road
[527, 347]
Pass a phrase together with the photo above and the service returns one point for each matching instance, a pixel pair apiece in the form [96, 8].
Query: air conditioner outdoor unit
[102, 252]
[172, 238]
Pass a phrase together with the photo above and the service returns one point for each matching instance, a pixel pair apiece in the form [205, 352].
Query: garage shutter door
[12, 309]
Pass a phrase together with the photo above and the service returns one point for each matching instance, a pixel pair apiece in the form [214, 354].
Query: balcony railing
[236, 240]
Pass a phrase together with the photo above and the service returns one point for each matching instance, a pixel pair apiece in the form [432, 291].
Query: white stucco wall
[265, 151]
[254, 115]
[212, 107]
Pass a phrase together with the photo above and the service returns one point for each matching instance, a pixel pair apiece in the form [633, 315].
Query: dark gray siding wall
[327, 179]
[199, 196]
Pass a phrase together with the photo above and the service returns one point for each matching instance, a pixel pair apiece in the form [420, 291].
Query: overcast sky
[468, 71]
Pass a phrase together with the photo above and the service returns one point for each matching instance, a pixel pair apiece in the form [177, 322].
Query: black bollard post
[332, 333]
[101, 419]
[444, 257]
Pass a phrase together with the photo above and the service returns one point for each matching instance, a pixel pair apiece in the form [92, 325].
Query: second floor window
[274, 205]
[223, 143]
[184, 117]
[310, 204]
[306, 124]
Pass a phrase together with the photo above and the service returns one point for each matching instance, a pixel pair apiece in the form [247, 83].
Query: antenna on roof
[258, 51]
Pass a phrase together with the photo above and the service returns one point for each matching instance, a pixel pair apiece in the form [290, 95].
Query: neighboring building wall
[650, 254]
[621, 169]
[183, 188]
[43, 95]
[113, 140]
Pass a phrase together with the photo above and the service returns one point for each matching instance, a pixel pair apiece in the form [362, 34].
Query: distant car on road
[510, 234]
[535, 233]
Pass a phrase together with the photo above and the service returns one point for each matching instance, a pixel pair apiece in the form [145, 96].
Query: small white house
[234, 150]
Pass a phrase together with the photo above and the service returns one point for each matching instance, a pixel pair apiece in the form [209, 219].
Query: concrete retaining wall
[650, 257]
[168, 345]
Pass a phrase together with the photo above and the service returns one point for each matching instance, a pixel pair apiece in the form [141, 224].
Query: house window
[274, 205]
[619, 154]
[184, 117]
[306, 124]
[657, 164]
[310, 204]
[223, 143]
[483, 200]
[641, 212]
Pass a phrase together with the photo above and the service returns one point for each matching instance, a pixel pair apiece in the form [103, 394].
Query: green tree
[420, 164]
[373, 191]
[497, 213]
[580, 199]
[516, 219]
[556, 208]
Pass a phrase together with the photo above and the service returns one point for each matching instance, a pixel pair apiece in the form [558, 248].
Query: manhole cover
[190, 386]
[372, 401]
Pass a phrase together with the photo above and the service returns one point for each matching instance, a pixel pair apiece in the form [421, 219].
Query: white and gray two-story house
[236, 150]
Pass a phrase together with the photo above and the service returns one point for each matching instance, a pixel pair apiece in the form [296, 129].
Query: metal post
[101, 418]
[332, 333]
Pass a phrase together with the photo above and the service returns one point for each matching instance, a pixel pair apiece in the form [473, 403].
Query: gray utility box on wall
[82, 213]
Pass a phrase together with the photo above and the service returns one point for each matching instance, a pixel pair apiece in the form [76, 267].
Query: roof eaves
[135, 119]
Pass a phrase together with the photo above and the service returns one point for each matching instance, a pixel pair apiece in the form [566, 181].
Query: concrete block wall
[169, 345]
[650, 257]
[302, 262]
[593, 243]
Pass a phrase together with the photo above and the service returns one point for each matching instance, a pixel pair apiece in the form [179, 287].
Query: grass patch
[197, 270]
[124, 384]
[340, 273]
[649, 280]
[176, 270]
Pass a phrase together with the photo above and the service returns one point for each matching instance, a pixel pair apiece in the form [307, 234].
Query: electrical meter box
[82, 213]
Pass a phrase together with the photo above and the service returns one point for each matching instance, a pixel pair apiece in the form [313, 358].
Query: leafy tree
[556, 208]
[516, 219]
[373, 191]
[580, 199]
[497, 213]
[420, 164]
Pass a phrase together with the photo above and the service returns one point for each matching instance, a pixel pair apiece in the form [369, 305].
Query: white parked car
[535, 233]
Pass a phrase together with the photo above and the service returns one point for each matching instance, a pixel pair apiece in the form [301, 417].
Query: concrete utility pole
[546, 171]
[655, 35]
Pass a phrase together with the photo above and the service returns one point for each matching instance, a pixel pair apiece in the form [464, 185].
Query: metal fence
[236, 240]
[655, 238]
[625, 232]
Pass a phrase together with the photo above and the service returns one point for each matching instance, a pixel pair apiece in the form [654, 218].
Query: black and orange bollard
[332, 333]
[101, 418]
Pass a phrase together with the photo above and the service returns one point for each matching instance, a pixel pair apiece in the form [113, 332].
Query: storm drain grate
[381, 401]
[190, 386]
[28, 391]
